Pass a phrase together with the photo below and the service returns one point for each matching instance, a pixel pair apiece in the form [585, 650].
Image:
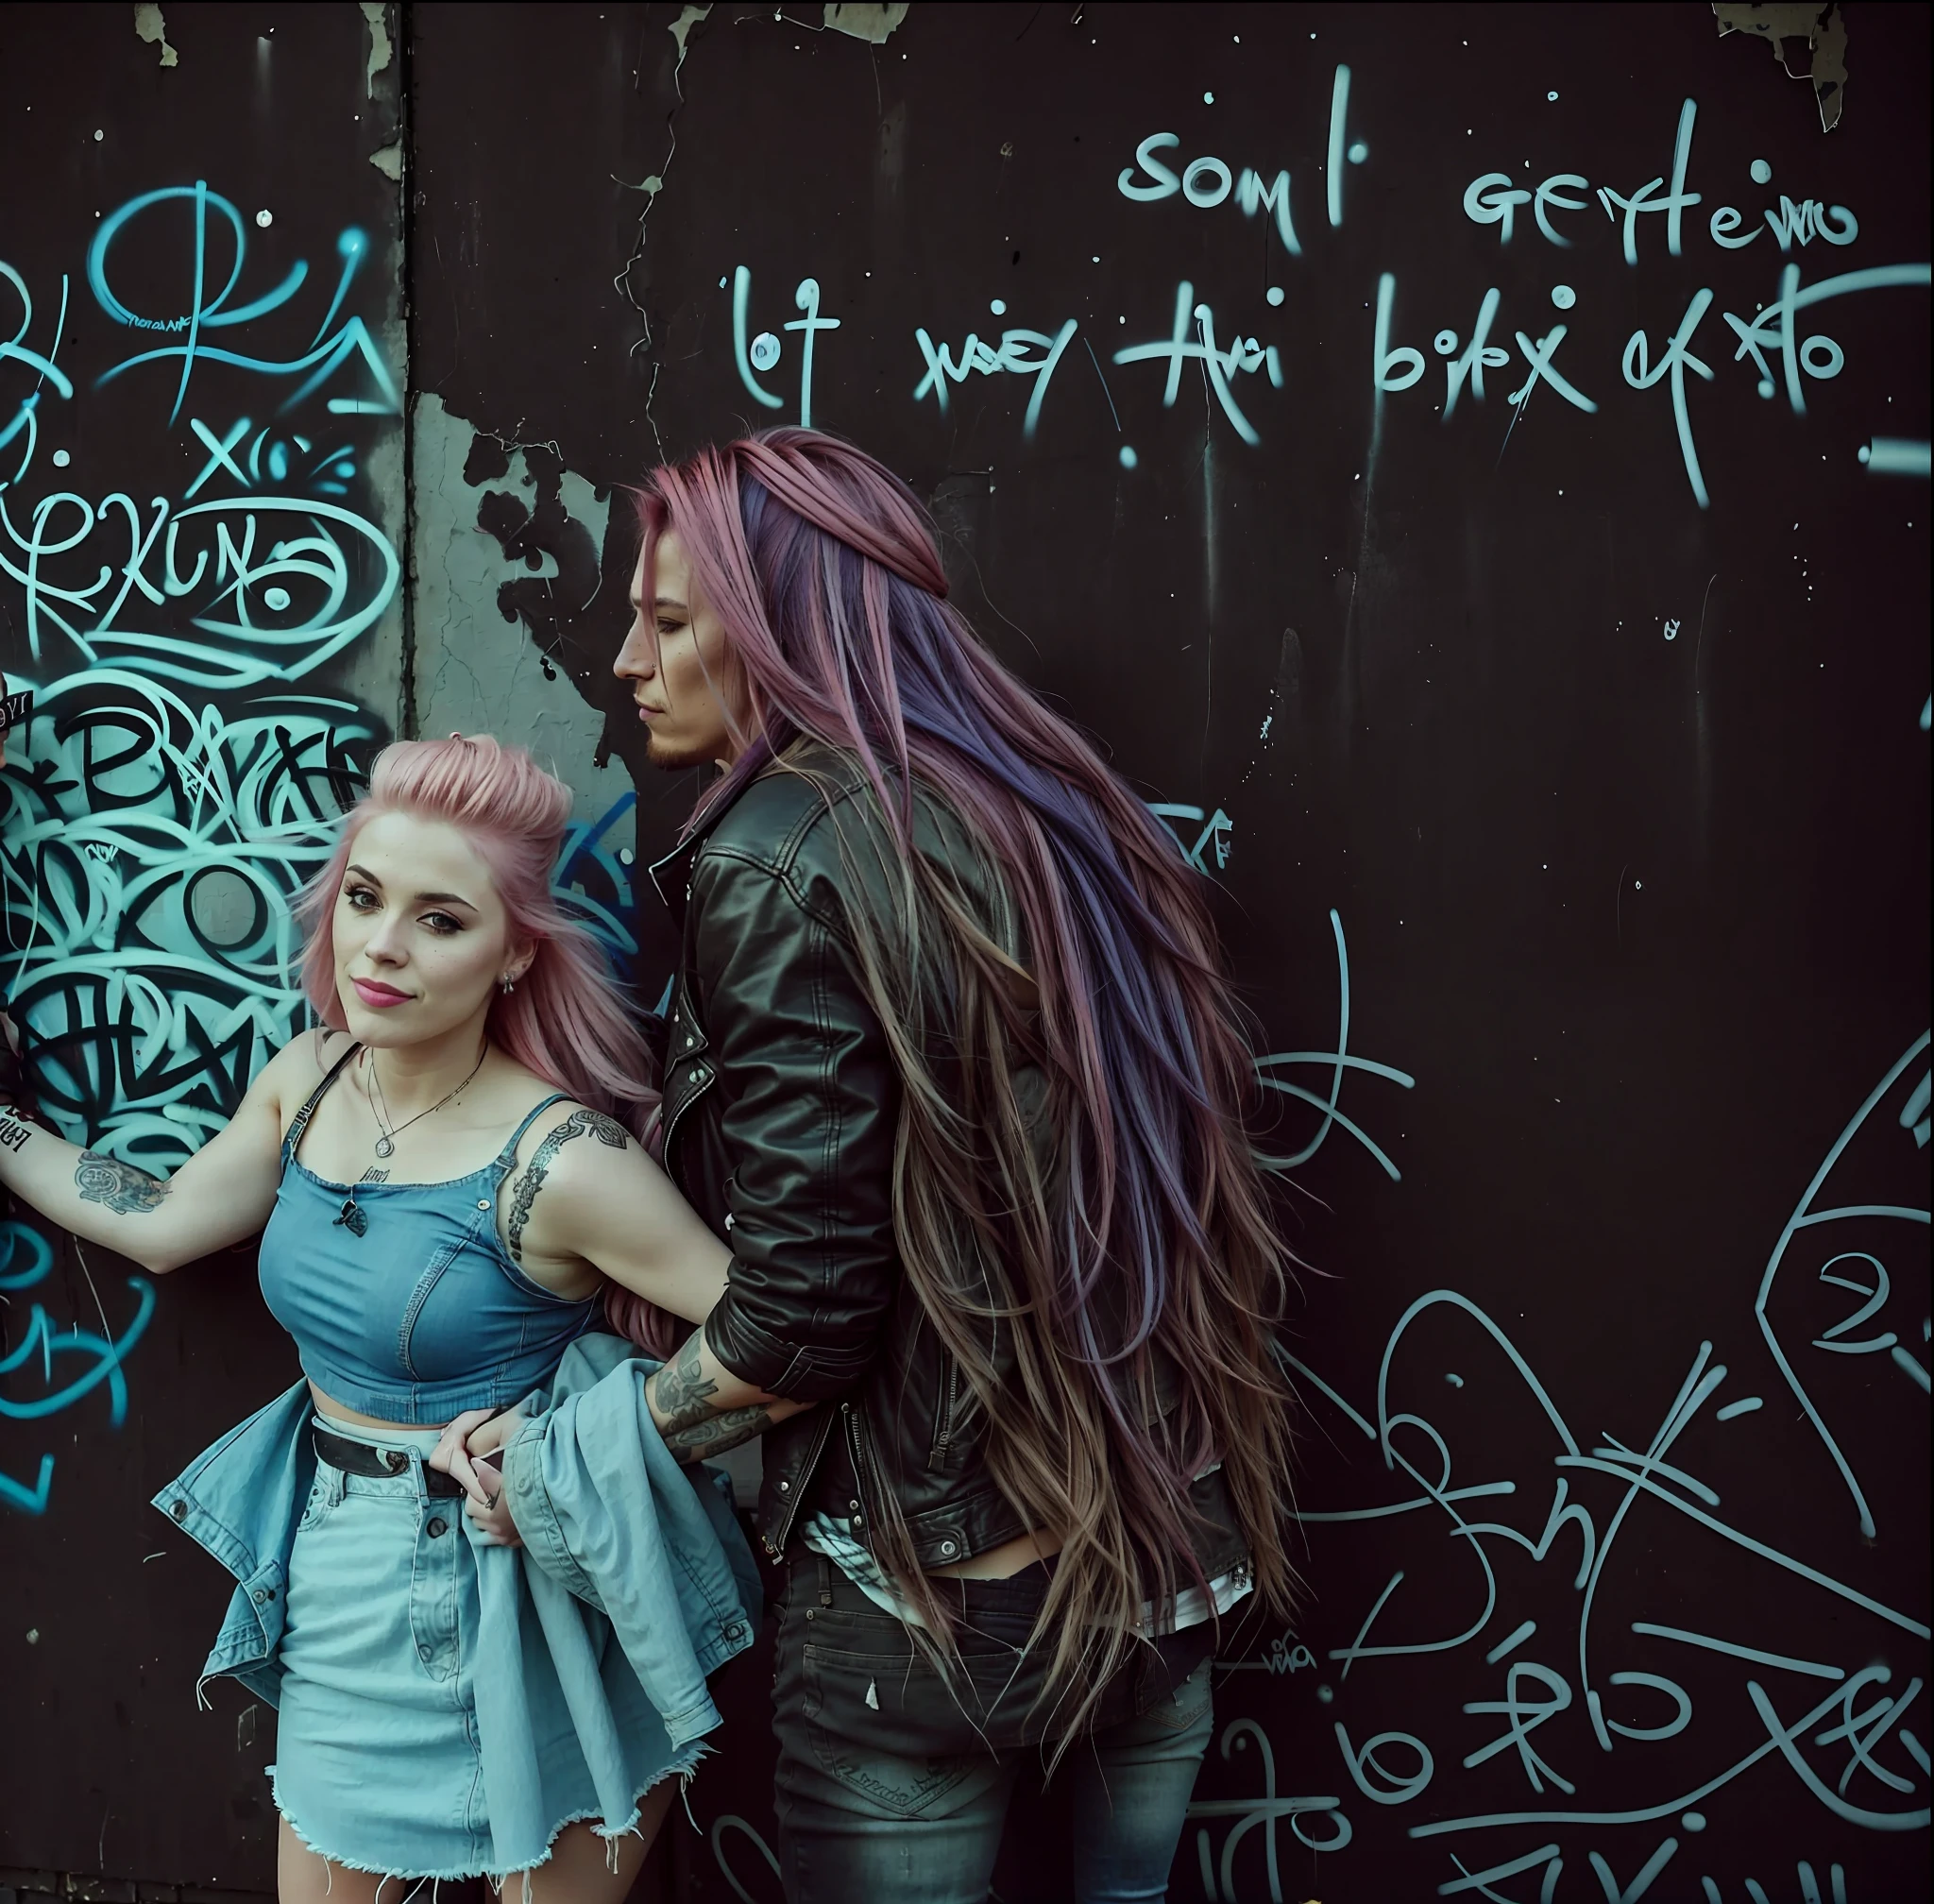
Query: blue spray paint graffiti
[150, 858]
[190, 751]
[1768, 339]
[594, 883]
[1632, 1682]
[765, 349]
[1870, 1278]
[189, 754]
[1214, 840]
[153, 842]
[1218, 834]
[1269, 1070]
[24, 1262]
[326, 355]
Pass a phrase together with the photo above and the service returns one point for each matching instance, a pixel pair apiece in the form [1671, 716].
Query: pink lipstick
[377, 997]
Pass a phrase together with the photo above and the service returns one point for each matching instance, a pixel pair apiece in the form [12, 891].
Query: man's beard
[670, 758]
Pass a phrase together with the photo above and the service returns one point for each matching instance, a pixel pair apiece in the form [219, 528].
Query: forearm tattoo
[717, 1432]
[682, 1392]
[606, 1129]
[14, 1131]
[684, 1396]
[124, 1189]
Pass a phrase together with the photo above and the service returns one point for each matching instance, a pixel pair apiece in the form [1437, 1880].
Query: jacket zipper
[671, 1128]
[698, 1092]
[865, 1468]
[943, 1442]
[804, 1481]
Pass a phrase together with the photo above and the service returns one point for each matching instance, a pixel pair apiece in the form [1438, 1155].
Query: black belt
[360, 1457]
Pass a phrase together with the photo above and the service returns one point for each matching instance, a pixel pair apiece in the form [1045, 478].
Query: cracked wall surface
[203, 362]
[484, 515]
[1512, 722]
[1472, 482]
[506, 550]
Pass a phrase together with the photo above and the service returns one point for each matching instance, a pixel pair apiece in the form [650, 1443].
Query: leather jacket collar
[672, 874]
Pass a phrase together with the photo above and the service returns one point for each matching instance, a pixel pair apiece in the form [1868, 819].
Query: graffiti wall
[1467, 466]
[202, 368]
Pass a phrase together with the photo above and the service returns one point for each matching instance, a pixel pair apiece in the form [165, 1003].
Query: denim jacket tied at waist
[606, 1513]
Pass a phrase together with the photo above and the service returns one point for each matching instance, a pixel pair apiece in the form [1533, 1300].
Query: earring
[506, 985]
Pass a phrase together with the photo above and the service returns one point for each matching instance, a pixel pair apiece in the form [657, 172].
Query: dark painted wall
[201, 515]
[1567, 808]
[1608, 806]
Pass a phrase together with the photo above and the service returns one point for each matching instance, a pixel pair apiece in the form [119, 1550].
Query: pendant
[385, 1147]
[353, 1220]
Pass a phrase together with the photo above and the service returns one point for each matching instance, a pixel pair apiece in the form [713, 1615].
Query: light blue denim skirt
[379, 1755]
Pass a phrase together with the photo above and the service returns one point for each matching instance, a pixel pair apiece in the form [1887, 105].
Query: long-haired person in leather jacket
[955, 1069]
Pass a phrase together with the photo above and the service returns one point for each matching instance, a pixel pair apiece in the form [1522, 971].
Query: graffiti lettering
[1855, 1749]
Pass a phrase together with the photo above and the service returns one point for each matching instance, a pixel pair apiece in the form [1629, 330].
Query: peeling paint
[380, 53]
[689, 17]
[504, 536]
[389, 159]
[1781, 25]
[149, 27]
[874, 24]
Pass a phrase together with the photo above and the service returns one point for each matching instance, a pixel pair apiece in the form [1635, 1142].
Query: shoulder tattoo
[607, 1130]
[120, 1186]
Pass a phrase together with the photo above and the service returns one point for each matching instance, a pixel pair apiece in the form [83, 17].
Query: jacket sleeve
[812, 1110]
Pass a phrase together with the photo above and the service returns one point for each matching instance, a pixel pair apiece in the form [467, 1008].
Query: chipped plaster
[381, 51]
[149, 27]
[474, 671]
[874, 24]
[1780, 25]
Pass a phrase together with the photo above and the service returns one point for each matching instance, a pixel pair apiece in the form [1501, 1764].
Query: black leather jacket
[781, 1108]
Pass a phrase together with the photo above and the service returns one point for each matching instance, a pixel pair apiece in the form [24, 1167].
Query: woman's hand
[470, 1453]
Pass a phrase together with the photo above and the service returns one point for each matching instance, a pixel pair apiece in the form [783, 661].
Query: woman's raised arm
[222, 1194]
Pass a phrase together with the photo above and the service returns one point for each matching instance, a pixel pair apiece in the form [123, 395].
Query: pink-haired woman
[449, 1197]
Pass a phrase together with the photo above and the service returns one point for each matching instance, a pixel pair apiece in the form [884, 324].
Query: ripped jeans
[890, 1792]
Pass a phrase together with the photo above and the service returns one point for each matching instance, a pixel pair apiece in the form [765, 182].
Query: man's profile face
[679, 666]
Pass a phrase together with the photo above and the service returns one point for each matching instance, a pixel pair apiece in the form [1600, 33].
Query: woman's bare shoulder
[299, 1066]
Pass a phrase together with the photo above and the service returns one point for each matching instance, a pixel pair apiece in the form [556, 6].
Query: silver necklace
[386, 1143]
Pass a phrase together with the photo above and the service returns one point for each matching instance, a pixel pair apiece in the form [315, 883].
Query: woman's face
[421, 937]
[680, 668]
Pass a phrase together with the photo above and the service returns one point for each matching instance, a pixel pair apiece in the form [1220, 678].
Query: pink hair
[1056, 1257]
[566, 1020]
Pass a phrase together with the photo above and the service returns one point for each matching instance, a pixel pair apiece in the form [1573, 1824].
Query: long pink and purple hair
[1147, 1221]
[566, 1020]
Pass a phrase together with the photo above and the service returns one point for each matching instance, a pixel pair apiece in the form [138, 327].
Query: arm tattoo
[14, 1130]
[683, 1392]
[607, 1130]
[124, 1189]
[717, 1432]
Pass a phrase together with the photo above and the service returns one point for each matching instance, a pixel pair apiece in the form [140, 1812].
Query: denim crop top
[416, 1314]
